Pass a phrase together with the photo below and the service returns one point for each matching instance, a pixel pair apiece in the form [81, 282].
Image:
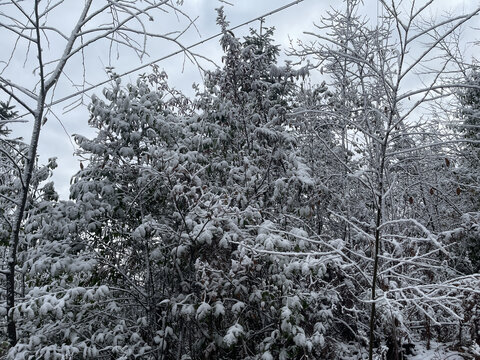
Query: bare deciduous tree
[384, 79]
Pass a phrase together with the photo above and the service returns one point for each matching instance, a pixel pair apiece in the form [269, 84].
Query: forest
[322, 207]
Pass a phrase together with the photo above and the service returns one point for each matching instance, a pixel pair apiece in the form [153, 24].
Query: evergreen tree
[469, 167]
[469, 112]
[12, 153]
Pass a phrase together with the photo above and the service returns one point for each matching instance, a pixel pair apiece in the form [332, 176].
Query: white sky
[54, 142]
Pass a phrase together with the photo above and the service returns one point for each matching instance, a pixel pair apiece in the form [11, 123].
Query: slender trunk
[380, 207]
[476, 338]
[374, 280]
[27, 177]
[460, 332]
[45, 85]
[378, 222]
[19, 214]
[427, 331]
[396, 344]
[344, 135]
[150, 289]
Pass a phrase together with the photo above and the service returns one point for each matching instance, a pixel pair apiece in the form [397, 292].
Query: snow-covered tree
[393, 223]
[264, 218]
[194, 217]
[12, 153]
[32, 27]
[36, 250]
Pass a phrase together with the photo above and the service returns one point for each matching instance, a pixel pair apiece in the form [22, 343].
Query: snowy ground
[444, 352]
[438, 351]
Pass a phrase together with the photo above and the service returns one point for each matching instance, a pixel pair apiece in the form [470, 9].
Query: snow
[203, 310]
[437, 352]
[243, 214]
[233, 333]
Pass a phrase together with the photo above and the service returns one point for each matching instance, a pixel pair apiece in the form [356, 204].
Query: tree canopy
[265, 217]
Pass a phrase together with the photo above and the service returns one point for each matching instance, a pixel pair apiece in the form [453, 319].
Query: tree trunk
[19, 214]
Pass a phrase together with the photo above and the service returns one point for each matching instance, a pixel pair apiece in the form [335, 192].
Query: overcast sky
[55, 140]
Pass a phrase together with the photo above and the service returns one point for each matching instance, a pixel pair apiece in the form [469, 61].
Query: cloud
[54, 140]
